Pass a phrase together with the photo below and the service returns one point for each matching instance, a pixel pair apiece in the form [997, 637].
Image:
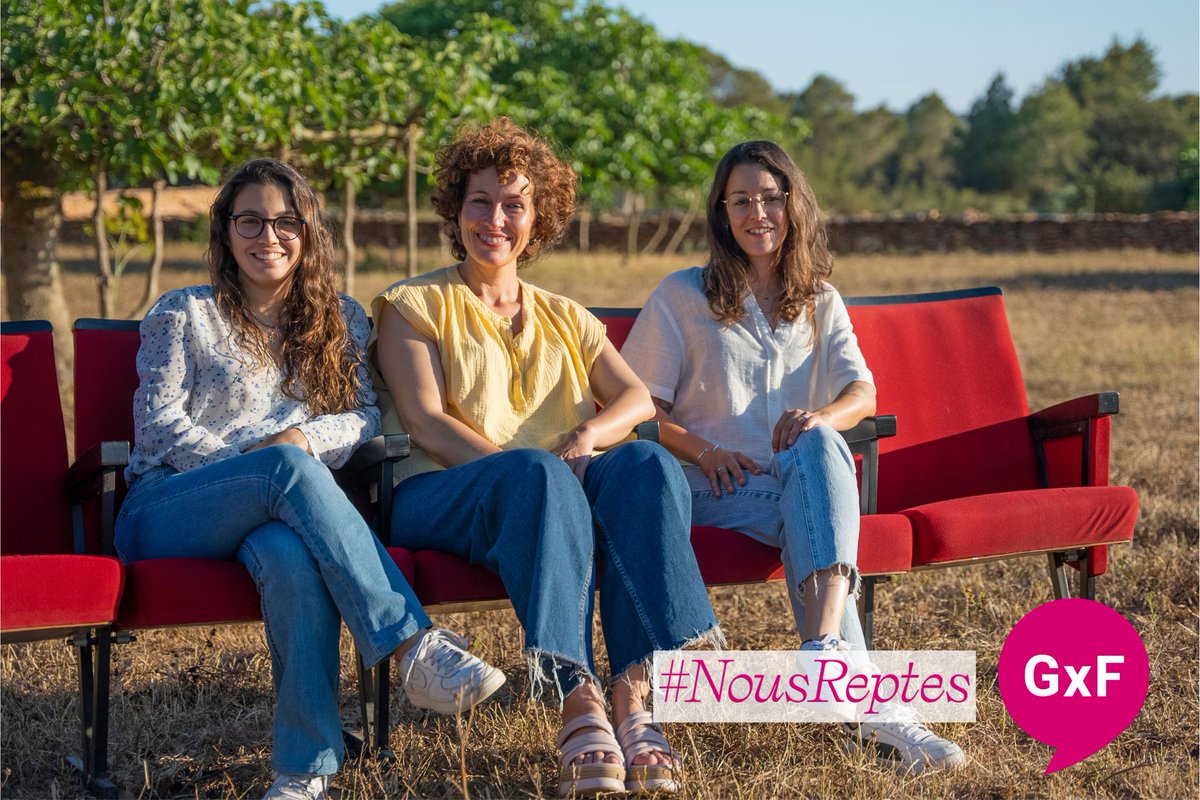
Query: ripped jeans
[806, 504]
[524, 515]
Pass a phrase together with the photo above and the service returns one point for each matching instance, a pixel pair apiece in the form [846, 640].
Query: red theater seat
[49, 586]
[978, 474]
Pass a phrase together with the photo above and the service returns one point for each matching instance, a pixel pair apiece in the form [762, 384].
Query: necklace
[262, 323]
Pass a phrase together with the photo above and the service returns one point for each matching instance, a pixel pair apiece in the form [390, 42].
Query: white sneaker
[901, 742]
[828, 649]
[298, 787]
[440, 675]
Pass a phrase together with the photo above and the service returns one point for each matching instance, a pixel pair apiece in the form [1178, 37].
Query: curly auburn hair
[318, 356]
[804, 260]
[511, 150]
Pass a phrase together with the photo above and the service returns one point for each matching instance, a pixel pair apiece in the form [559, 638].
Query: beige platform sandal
[582, 780]
[639, 734]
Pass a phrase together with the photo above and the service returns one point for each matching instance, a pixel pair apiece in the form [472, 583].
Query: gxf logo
[1044, 682]
[1073, 674]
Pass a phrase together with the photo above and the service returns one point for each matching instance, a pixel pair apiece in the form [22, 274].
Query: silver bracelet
[700, 455]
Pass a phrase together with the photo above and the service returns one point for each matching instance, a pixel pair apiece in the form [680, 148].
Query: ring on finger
[722, 469]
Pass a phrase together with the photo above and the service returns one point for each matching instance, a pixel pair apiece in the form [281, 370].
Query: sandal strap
[639, 734]
[572, 744]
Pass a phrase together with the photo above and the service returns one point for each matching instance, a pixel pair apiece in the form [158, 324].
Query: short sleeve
[420, 305]
[843, 360]
[655, 347]
[593, 336]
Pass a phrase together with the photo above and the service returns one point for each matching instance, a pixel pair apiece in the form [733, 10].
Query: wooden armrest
[647, 431]
[1063, 419]
[83, 478]
[878, 427]
[361, 469]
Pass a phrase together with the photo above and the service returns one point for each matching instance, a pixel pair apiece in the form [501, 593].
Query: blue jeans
[315, 561]
[806, 504]
[524, 515]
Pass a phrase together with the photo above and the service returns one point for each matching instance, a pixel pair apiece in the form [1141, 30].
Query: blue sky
[893, 53]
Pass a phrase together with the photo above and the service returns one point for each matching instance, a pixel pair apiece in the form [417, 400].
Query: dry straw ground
[192, 708]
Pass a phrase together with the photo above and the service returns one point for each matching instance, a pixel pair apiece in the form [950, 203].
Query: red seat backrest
[945, 365]
[35, 516]
[943, 362]
[105, 380]
[618, 321]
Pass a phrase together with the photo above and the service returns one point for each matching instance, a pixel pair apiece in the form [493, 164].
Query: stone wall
[1171, 231]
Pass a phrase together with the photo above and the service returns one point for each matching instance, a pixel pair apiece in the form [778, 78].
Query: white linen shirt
[730, 383]
[201, 398]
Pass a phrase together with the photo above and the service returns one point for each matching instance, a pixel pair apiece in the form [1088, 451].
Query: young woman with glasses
[754, 368]
[251, 389]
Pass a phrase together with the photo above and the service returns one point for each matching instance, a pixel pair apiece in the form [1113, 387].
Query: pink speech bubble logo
[1073, 674]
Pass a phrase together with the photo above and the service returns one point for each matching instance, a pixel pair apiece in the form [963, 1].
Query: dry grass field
[191, 709]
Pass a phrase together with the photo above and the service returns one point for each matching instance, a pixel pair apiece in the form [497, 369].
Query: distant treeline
[150, 93]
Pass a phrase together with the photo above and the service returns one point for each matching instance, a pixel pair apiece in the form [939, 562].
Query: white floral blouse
[202, 398]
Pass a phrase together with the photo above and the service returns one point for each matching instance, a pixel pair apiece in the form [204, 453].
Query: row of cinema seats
[968, 475]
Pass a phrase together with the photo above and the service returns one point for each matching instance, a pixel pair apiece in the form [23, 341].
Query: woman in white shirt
[251, 389]
[754, 366]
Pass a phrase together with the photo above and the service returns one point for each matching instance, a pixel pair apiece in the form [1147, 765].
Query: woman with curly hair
[754, 368]
[497, 382]
[250, 389]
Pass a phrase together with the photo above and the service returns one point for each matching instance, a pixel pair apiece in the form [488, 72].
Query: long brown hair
[804, 258]
[510, 149]
[318, 355]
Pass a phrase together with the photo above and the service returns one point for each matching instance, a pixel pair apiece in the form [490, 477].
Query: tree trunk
[348, 234]
[585, 227]
[410, 199]
[106, 280]
[635, 219]
[32, 275]
[660, 233]
[156, 260]
[684, 225]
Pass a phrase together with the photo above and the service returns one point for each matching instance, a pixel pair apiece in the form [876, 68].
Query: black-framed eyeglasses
[740, 204]
[249, 226]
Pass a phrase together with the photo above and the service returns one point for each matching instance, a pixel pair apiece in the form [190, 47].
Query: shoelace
[444, 648]
[906, 722]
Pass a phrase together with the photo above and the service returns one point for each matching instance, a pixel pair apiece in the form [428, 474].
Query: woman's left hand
[791, 424]
[286, 436]
[575, 448]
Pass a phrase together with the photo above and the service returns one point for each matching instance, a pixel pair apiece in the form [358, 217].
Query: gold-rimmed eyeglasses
[739, 205]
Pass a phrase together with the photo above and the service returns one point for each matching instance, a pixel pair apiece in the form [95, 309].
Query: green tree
[1052, 149]
[986, 154]
[1136, 137]
[924, 155]
[104, 98]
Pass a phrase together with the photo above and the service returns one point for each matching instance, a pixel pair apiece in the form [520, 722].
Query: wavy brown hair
[804, 260]
[318, 357]
[511, 150]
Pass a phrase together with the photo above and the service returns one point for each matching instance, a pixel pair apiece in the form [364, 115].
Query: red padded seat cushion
[187, 591]
[1010, 523]
[404, 560]
[446, 578]
[726, 556]
[51, 591]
